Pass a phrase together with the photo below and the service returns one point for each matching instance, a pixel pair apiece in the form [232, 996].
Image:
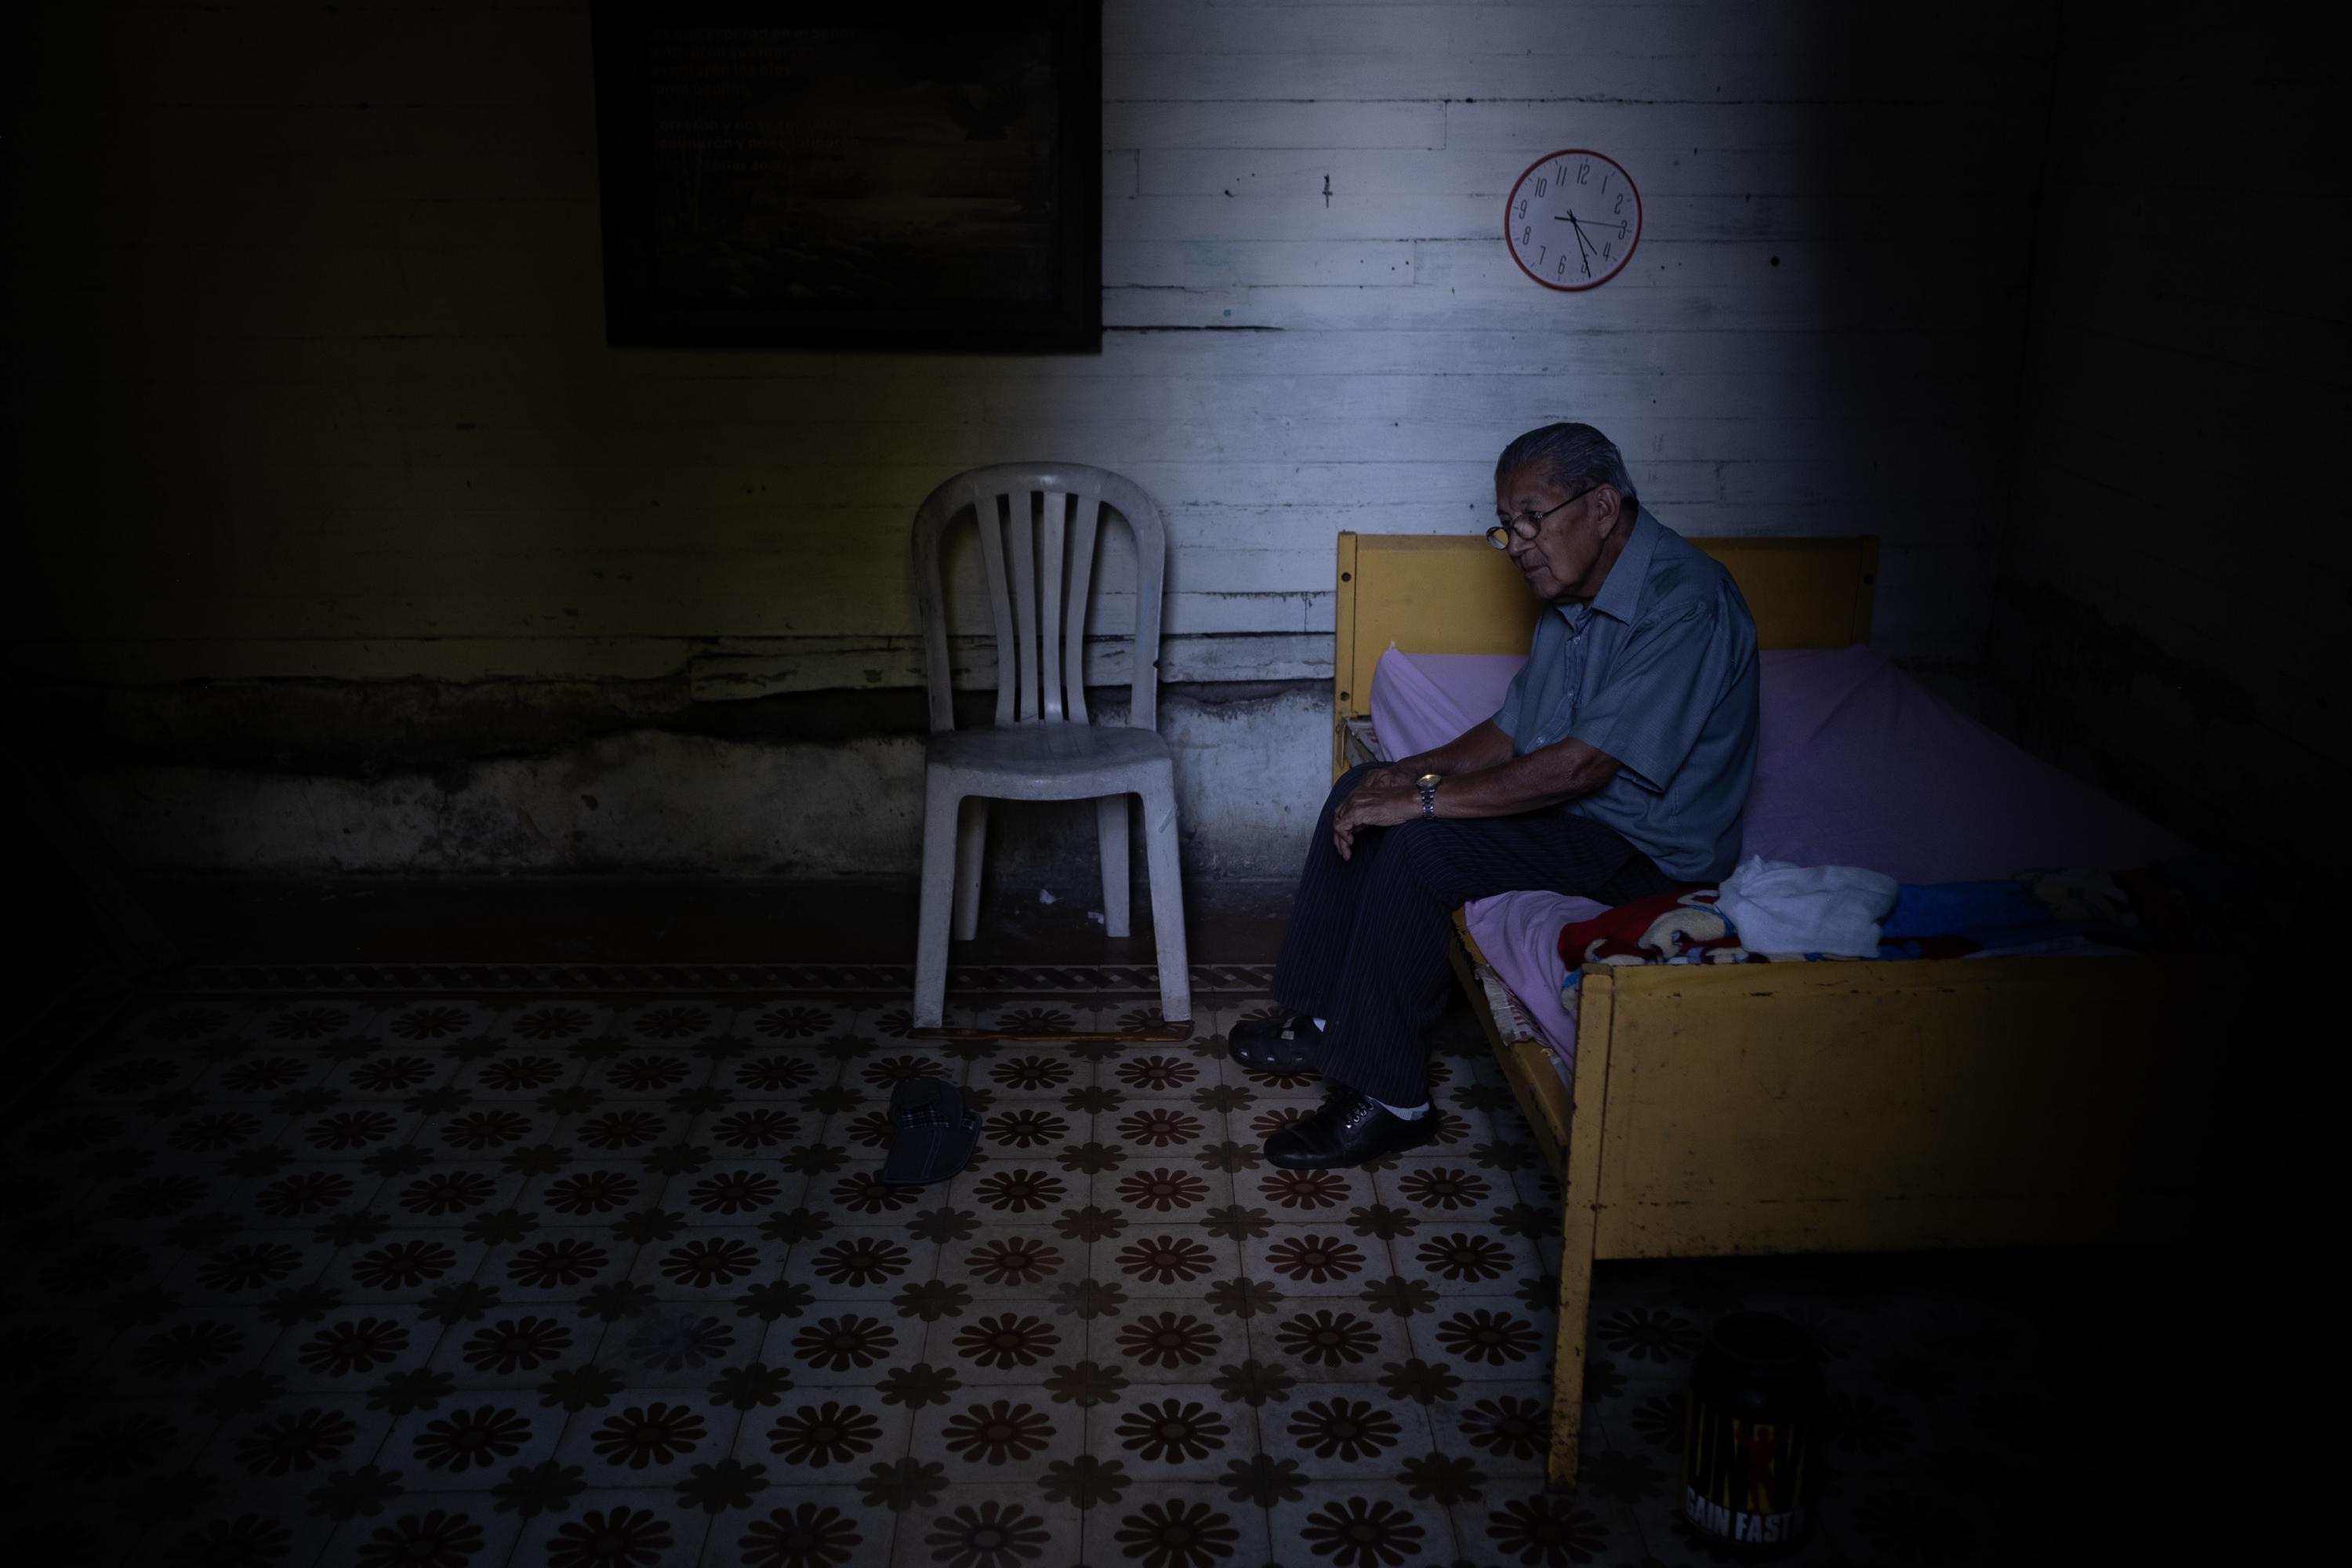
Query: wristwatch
[1427, 782]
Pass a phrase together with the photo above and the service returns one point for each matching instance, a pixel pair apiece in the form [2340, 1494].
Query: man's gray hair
[1571, 457]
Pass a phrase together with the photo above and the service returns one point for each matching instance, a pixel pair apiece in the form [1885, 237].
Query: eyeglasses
[1527, 523]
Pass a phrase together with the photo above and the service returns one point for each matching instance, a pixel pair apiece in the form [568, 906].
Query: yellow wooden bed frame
[1826, 1107]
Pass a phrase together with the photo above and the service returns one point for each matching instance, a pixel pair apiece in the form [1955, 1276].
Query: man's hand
[1381, 799]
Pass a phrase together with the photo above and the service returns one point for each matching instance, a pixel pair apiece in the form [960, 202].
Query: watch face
[1429, 781]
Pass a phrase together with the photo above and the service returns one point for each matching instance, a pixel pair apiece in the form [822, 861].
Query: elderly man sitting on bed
[1616, 769]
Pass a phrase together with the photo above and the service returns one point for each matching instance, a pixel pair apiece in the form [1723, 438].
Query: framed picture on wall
[851, 176]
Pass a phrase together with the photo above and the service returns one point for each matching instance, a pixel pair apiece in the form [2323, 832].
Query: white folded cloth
[1779, 907]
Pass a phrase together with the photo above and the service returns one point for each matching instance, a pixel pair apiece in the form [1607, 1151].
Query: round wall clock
[1573, 219]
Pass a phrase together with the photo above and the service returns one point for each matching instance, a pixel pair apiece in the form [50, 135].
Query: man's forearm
[1385, 796]
[1543, 778]
[1484, 746]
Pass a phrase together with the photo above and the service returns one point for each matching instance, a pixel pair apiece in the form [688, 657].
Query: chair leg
[1110, 834]
[1167, 900]
[971, 845]
[941, 803]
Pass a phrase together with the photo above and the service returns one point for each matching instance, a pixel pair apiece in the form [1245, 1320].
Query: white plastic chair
[1038, 525]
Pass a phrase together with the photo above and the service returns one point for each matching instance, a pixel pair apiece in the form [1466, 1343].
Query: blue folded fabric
[1960, 908]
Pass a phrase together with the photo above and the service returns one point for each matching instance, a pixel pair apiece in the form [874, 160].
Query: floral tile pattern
[605, 1273]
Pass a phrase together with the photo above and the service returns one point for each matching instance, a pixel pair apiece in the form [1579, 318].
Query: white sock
[1404, 1112]
[1321, 1025]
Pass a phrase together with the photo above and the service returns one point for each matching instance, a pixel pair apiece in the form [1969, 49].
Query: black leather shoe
[1276, 1045]
[1348, 1130]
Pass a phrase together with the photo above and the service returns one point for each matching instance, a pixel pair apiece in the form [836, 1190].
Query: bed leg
[1580, 1217]
[1567, 1353]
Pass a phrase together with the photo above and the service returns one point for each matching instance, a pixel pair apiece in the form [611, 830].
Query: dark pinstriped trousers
[1366, 945]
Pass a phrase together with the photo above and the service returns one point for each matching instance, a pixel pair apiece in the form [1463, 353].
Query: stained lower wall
[793, 790]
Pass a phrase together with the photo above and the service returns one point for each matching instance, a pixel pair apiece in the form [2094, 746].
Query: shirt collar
[1621, 596]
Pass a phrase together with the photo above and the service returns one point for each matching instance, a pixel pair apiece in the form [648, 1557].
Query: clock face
[1572, 220]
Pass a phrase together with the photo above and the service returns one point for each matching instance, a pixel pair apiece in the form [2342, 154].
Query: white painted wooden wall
[323, 390]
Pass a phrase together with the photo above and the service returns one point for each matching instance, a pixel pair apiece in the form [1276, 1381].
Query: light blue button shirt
[1659, 672]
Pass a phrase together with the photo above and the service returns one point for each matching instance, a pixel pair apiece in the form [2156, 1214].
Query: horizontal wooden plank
[1793, 31]
[1152, 29]
[1530, 129]
[1661, 157]
[1208, 264]
[260, 227]
[1770, 285]
[550, 473]
[446, 382]
[1274, 125]
[1811, 272]
[2002, 219]
[1339, 72]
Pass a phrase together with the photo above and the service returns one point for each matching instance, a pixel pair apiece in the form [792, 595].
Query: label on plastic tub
[1747, 1483]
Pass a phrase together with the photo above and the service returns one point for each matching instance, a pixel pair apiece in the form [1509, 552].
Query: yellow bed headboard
[1457, 593]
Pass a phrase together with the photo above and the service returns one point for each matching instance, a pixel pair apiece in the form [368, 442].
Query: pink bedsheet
[1860, 765]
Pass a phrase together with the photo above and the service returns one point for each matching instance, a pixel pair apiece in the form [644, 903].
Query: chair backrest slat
[1088, 516]
[1055, 513]
[1020, 508]
[1053, 528]
[987, 510]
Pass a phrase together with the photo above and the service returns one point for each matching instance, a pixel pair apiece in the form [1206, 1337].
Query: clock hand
[1585, 252]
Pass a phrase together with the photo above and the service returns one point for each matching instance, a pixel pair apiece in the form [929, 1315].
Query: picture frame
[813, 175]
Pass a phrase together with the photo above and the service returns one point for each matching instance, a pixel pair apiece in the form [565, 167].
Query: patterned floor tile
[296, 1438]
[655, 1439]
[847, 1348]
[1314, 1260]
[1502, 1428]
[1176, 1188]
[228, 1530]
[1167, 1338]
[826, 1434]
[421, 1526]
[791, 1526]
[462, 1445]
[1005, 1343]
[355, 1348]
[178, 1353]
[1485, 1341]
[1322, 1342]
[646, 1528]
[1371, 1523]
[1000, 1435]
[1159, 1525]
[1523, 1523]
[1170, 1431]
[979, 1526]
[1004, 1262]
